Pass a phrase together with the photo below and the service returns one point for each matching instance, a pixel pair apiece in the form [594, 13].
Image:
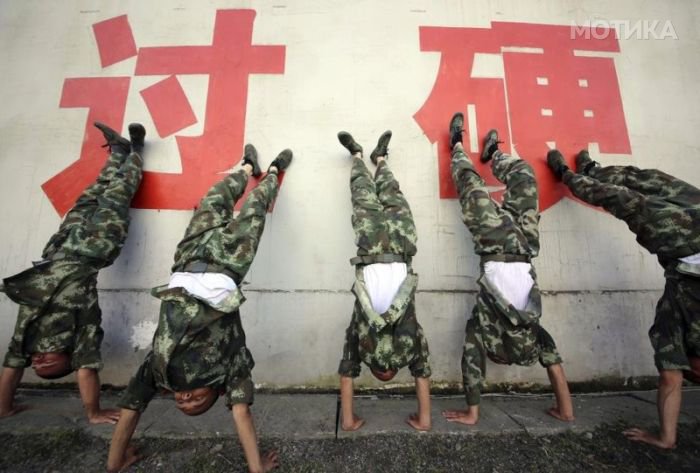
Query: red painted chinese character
[552, 89]
[228, 62]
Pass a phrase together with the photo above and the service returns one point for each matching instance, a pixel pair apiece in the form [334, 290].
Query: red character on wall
[546, 84]
[228, 62]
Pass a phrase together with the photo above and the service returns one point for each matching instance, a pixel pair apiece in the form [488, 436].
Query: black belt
[384, 258]
[202, 267]
[505, 258]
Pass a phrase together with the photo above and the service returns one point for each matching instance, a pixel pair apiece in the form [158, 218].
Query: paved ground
[513, 435]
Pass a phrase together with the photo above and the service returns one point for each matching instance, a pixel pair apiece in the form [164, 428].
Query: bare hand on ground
[131, 456]
[354, 424]
[554, 412]
[462, 417]
[414, 421]
[104, 416]
[640, 435]
[16, 409]
[270, 460]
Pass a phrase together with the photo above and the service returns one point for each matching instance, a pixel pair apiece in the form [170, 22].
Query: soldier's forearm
[123, 432]
[89, 387]
[243, 419]
[9, 381]
[423, 395]
[669, 405]
[346, 392]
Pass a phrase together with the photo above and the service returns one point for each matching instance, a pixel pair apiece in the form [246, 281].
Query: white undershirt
[692, 259]
[513, 280]
[211, 287]
[383, 281]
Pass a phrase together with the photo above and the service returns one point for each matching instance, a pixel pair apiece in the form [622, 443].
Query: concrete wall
[355, 66]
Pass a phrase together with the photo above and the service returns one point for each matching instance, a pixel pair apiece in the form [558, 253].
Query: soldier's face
[383, 375]
[51, 365]
[195, 401]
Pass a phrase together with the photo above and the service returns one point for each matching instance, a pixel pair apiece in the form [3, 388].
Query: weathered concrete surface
[312, 416]
[355, 66]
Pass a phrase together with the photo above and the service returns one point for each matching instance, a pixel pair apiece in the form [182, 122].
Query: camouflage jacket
[508, 335]
[59, 312]
[195, 345]
[387, 341]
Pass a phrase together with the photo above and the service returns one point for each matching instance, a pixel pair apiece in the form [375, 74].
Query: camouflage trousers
[496, 330]
[59, 308]
[215, 237]
[97, 225]
[664, 213]
[507, 229]
[381, 216]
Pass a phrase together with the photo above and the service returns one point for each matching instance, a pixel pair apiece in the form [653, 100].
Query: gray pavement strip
[312, 416]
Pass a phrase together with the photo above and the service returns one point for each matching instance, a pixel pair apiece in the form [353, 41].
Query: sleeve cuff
[349, 368]
[240, 391]
[15, 361]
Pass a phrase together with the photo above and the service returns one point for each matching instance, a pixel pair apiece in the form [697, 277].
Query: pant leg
[494, 231]
[86, 204]
[663, 228]
[215, 210]
[650, 182]
[235, 245]
[549, 355]
[399, 220]
[675, 334]
[473, 361]
[105, 232]
[368, 220]
[520, 198]
[350, 363]
[622, 202]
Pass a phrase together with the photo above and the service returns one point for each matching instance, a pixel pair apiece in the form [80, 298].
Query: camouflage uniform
[664, 213]
[197, 343]
[508, 233]
[59, 310]
[384, 233]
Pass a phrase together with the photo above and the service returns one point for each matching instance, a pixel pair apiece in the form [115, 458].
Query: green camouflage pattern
[96, 227]
[496, 329]
[507, 229]
[381, 217]
[216, 237]
[197, 344]
[386, 341]
[664, 213]
[383, 224]
[505, 335]
[675, 334]
[59, 310]
[194, 346]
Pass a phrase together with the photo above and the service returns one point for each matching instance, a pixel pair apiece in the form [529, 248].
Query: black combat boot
[250, 156]
[490, 145]
[282, 161]
[381, 148]
[456, 129]
[348, 141]
[137, 133]
[584, 163]
[116, 143]
[556, 162]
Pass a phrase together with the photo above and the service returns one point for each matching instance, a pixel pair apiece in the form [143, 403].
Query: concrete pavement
[312, 416]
